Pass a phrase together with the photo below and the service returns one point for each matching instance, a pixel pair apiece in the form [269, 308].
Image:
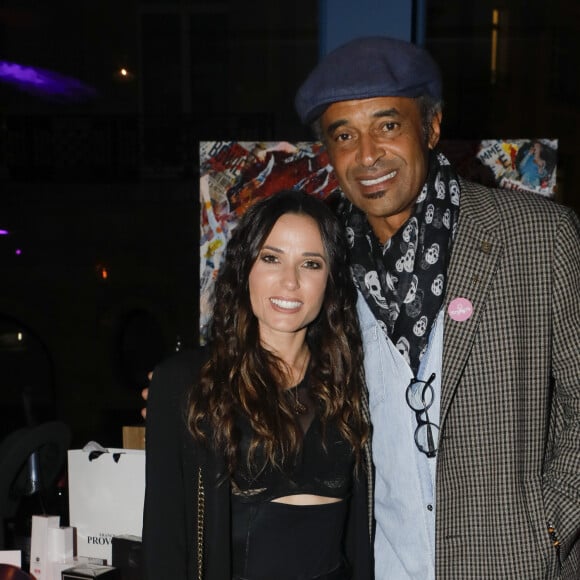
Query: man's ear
[435, 130]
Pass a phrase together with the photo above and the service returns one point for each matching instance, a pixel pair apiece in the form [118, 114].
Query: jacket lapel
[475, 258]
[368, 463]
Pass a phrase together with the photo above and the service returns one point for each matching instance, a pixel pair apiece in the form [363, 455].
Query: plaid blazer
[508, 471]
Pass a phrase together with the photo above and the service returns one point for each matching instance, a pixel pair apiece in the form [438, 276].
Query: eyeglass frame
[427, 387]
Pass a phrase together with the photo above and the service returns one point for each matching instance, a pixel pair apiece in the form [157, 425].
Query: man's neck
[386, 227]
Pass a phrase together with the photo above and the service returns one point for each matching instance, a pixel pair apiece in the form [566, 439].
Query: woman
[259, 471]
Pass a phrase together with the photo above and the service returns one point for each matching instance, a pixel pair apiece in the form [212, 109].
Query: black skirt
[288, 542]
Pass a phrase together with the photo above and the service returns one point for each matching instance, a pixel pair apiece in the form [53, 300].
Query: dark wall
[100, 335]
[110, 181]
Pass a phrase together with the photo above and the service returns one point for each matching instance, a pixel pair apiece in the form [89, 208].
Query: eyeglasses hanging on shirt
[420, 396]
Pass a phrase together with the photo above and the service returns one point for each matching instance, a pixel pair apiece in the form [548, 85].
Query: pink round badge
[460, 309]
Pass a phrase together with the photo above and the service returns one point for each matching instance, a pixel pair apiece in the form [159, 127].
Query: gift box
[85, 571]
[127, 556]
[40, 545]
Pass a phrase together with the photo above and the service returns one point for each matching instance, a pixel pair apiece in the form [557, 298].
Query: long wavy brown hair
[240, 376]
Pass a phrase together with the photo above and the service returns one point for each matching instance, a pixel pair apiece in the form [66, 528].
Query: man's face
[380, 156]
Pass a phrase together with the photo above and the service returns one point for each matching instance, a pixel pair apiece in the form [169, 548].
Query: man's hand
[145, 395]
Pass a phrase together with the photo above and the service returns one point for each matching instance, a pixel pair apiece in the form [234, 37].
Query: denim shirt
[405, 477]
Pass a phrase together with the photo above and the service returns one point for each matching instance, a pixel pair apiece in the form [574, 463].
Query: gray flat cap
[369, 67]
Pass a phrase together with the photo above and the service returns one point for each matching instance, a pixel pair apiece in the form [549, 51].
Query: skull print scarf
[403, 281]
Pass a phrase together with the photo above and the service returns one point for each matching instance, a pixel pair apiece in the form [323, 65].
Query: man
[470, 309]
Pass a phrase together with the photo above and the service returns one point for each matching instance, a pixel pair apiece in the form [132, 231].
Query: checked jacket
[508, 465]
[508, 472]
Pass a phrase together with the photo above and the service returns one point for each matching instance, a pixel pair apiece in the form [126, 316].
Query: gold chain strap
[200, 523]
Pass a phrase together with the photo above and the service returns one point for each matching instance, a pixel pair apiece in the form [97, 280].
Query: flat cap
[364, 68]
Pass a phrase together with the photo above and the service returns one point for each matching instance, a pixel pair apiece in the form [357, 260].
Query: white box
[39, 545]
[12, 557]
[60, 551]
[60, 544]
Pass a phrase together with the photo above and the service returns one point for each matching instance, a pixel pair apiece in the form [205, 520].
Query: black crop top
[316, 470]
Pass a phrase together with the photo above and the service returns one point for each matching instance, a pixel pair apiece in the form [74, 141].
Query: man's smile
[377, 180]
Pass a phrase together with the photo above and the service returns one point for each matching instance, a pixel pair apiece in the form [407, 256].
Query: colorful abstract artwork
[234, 174]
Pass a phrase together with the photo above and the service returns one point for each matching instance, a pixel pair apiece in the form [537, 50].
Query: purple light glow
[44, 82]
[18, 251]
[4, 232]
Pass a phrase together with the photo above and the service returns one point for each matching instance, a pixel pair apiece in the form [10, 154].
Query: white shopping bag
[106, 494]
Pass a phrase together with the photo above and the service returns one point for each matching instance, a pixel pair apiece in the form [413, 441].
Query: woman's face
[288, 279]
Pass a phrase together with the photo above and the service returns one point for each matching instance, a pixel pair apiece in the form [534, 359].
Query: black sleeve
[166, 523]
[359, 545]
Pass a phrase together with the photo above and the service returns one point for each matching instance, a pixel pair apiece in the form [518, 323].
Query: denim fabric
[405, 477]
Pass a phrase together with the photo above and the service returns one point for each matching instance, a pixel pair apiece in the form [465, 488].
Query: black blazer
[172, 471]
